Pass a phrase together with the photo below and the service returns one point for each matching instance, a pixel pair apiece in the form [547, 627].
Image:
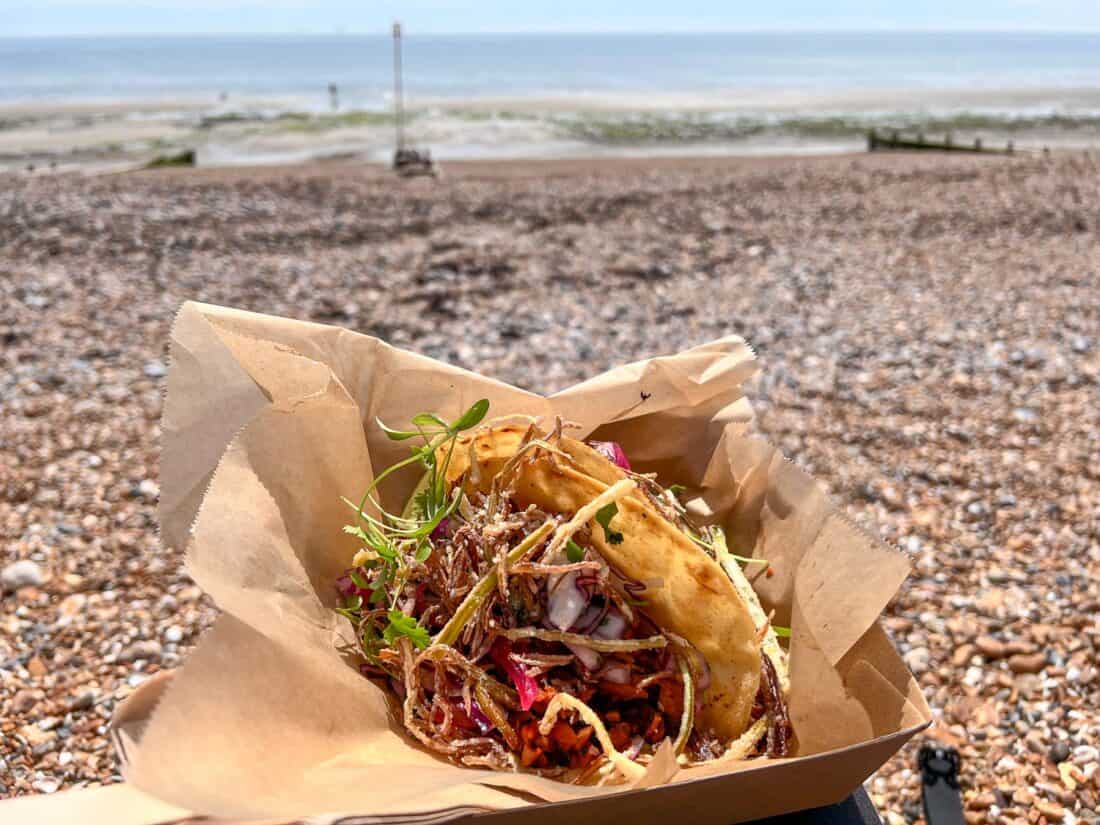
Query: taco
[538, 605]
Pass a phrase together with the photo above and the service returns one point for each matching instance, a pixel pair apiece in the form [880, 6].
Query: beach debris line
[407, 162]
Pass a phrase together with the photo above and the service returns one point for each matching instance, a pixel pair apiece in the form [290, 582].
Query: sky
[97, 17]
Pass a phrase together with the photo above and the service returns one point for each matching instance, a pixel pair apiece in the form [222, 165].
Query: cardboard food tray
[269, 421]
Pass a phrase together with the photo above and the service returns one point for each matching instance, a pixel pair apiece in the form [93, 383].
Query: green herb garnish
[785, 632]
[402, 625]
[603, 518]
[400, 541]
[573, 551]
[358, 580]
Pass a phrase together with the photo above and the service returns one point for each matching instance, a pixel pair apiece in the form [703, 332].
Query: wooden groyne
[890, 141]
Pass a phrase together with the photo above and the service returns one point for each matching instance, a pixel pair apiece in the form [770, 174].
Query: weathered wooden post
[977, 144]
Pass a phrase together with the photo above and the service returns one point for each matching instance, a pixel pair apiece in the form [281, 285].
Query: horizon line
[563, 32]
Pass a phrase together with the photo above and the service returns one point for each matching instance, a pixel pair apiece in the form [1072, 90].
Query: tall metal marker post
[398, 92]
[405, 161]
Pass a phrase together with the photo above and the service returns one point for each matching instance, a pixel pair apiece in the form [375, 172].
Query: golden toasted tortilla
[688, 593]
[494, 447]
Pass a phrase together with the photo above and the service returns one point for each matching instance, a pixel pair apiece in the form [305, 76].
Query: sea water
[553, 93]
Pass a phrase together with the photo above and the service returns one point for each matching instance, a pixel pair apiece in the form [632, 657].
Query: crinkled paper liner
[269, 422]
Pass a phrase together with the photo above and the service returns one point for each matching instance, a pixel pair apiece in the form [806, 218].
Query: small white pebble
[1084, 754]
[46, 785]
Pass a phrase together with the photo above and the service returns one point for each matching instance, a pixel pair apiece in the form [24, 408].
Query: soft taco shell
[690, 594]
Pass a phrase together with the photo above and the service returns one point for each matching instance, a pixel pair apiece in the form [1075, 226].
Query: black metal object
[855, 810]
[409, 162]
[939, 774]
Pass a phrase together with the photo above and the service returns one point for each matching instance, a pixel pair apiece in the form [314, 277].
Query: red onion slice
[443, 530]
[346, 587]
[617, 673]
[565, 601]
[612, 627]
[592, 617]
[479, 718]
[586, 656]
[612, 452]
[526, 687]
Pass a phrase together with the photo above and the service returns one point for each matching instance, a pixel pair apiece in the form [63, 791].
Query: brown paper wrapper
[269, 422]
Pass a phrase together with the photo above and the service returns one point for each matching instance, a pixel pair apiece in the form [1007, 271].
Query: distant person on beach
[334, 96]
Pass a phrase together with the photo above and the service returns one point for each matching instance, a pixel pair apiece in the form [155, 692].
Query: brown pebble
[35, 736]
[1051, 810]
[962, 655]
[1027, 662]
[1016, 647]
[37, 668]
[982, 801]
[990, 648]
[23, 701]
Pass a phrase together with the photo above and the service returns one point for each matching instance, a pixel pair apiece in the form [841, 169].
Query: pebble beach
[928, 331]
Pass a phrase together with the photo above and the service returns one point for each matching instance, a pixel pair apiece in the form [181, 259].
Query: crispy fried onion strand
[591, 642]
[482, 749]
[620, 489]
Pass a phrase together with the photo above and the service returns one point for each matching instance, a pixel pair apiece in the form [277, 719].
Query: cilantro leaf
[603, 518]
[396, 435]
[357, 531]
[573, 551]
[427, 419]
[472, 417]
[423, 550]
[676, 489]
[402, 625]
[378, 591]
[781, 631]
